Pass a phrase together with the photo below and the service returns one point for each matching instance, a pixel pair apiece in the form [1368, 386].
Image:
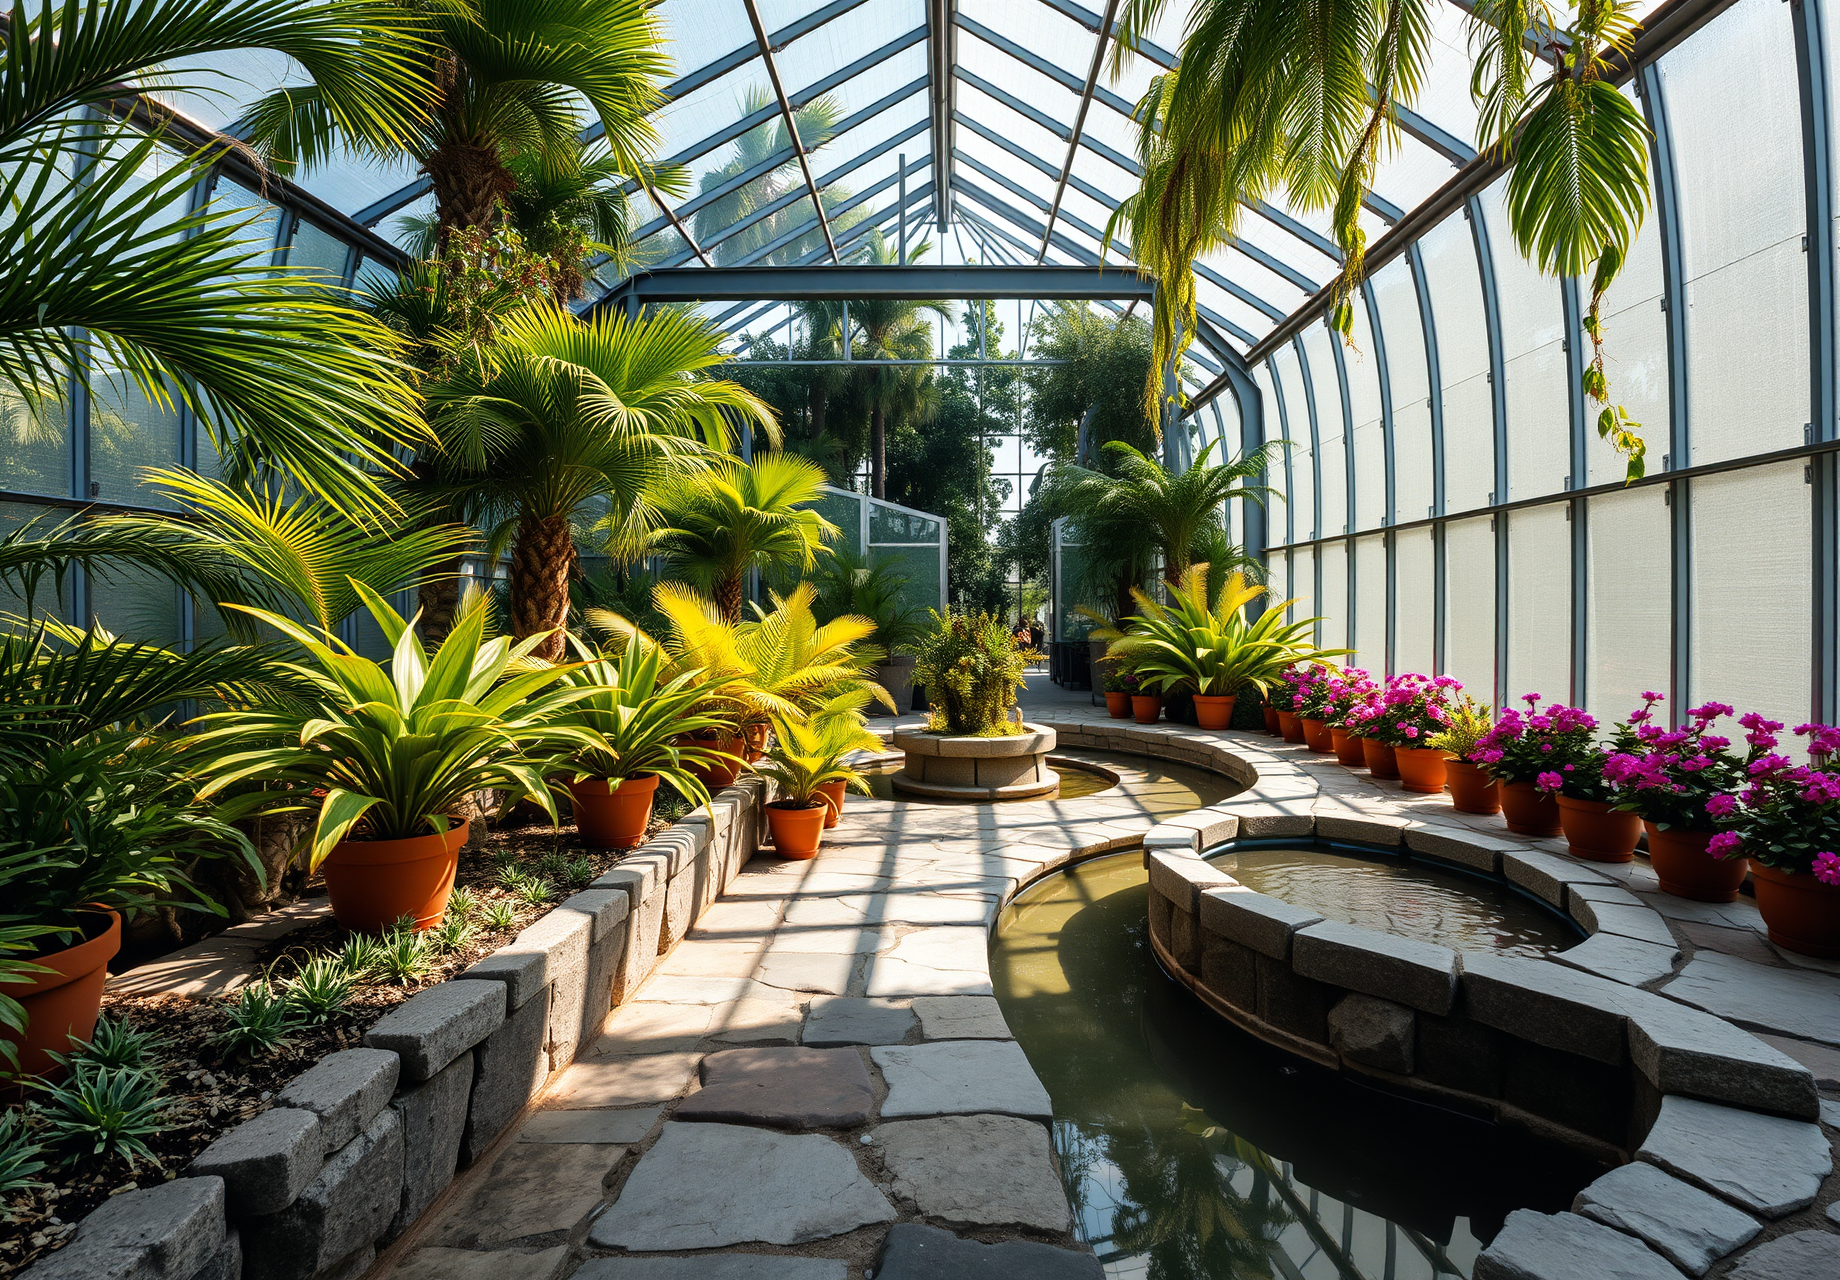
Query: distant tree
[1106, 361]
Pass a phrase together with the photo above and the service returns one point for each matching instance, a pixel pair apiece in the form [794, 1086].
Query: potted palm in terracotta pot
[1787, 822]
[1680, 784]
[636, 719]
[840, 731]
[1515, 751]
[1473, 788]
[395, 753]
[90, 830]
[800, 762]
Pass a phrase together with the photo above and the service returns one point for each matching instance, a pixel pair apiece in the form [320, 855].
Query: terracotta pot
[1117, 704]
[1596, 832]
[1316, 734]
[833, 799]
[797, 833]
[1472, 788]
[614, 816]
[1686, 870]
[1379, 757]
[375, 883]
[64, 1002]
[716, 776]
[1347, 748]
[1290, 724]
[1272, 724]
[756, 739]
[1802, 914]
[1146, 707]
[1214, 710]
[1529, 811]
[1420, 768]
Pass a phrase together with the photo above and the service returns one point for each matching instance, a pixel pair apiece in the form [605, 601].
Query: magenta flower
[1720, 806]
[1827, 868]
[1724, 845]
[1549, 781]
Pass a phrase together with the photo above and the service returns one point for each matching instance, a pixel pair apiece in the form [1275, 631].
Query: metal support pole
[901, 222]
[1824, 483]
[1315, 482]
[1572, 309]
[1434, 378]
[1390, 518]
[1498, 399]
[1341, 377]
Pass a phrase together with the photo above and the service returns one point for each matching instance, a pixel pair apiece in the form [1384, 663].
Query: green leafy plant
[453, 933]
[404, 957]
[462, 903]
[359, 956]
[1466, 723]
[499, 915]
[260, 1021]
[525, 888]
[850, 584]
[396, 751]
[320, 989]
[971, 669]
[104, 1111]
[634, 716]
[1209, 647]
[116, 1043]
[804, 757]
[20, 1157]
[571, 874]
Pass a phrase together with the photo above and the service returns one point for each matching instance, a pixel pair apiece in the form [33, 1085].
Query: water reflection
[1157, 787]
[1412, 899]
[1194, 1152]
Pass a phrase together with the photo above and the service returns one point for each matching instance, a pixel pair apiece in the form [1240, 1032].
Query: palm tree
[1276, 96]
[557, 412]
[502, 79]
[115, 273]
[737, 516]
[817, 124]
[890, 329]
[1145, 511]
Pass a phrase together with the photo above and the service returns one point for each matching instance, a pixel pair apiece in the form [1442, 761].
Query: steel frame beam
[835, 283]
[1079, 120]
[942, 61]
[1498, 405]
[792, 123]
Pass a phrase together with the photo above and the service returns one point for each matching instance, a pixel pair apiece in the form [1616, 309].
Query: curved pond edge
[1711, 1130]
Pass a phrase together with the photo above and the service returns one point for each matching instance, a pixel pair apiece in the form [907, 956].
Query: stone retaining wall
[358, 1147]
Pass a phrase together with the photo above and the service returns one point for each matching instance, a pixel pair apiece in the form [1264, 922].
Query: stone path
[817, 1083]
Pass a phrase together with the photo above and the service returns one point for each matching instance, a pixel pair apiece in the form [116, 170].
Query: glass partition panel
[1469, 604]
[1332, 604]
[1415, 602]
[1539, 603]
[1629, 623]
[1370, 603]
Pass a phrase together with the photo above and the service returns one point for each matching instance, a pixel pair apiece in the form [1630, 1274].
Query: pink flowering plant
[1679, 778]
[1787, 815]
[1554, 749]
[1308, 687]
[1349, 689]
[1412, 709]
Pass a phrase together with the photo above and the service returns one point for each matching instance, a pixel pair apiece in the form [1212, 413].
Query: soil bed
[208, 1094]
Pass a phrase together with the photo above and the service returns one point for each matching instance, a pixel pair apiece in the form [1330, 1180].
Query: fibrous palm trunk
[878, 452]
[438, 599]
[468, 179]
[542, 563]
[730, 593]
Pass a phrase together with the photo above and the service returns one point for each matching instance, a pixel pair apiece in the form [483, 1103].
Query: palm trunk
[438, 598]
[542, 563]
[468, 180]
[730, 595]
[819, 403]
[878, 453]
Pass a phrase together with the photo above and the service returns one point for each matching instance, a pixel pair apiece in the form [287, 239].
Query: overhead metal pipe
[792, 124]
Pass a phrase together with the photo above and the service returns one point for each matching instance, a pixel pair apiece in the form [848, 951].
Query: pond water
[1193, 1151]
[1159, 787]
[1395, 895]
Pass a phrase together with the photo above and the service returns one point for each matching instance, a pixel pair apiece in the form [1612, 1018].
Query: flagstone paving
[784, 1097]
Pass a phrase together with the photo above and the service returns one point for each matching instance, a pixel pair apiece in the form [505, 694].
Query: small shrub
[20, 1156]
[454, 933]
[262, 1020]
[320, 990]
[105, 1111]
[500, 915]
[360, 956]
[404, 957]
[971, 670]
[117, 1044]
[530, 890]
[573, 874]
[463, 903]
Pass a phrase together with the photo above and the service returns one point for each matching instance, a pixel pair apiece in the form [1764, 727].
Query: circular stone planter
[946, 768]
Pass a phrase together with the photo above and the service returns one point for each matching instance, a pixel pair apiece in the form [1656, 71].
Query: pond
[1193, 1151]
[1400, 896]
[1160, 788]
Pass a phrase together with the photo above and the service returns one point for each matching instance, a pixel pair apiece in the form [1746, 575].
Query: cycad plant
[732, 517]
[395, 751]
[806, 758]
[558, 412]
[1274, 97]
[119, 272]
[1206, 645]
